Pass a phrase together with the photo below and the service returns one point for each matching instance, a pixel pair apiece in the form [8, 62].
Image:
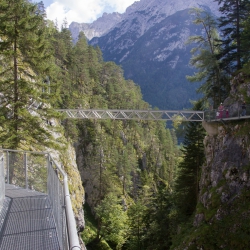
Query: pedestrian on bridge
[221, 109]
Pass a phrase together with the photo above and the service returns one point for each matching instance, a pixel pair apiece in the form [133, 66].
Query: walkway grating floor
[26, 221]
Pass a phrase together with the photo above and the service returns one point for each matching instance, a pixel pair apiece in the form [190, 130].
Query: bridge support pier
[211, 127]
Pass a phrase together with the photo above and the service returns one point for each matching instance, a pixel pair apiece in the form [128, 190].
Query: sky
[82, 11]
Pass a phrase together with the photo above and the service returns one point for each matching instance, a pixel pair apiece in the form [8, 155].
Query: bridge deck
[229, 118]
[153, 115]
[26, 221]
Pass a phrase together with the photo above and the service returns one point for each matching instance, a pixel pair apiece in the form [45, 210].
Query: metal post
[26, 170]
[8, 167]
[48, 171]
[238, 110]
[2, 182]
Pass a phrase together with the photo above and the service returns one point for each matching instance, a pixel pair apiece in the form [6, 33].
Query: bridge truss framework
[116, 114]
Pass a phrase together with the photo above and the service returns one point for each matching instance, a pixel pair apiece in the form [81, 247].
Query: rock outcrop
[226, 171]
[96, 29]
[222, 216]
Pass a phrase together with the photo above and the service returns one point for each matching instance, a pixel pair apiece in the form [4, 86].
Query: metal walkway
[26, 221]
[36, 211]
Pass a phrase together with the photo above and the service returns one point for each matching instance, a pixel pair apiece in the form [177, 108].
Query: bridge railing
[2, 186]
[38, 171]
[227, 112]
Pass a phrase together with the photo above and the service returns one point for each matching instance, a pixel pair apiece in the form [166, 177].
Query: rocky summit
[149, 42]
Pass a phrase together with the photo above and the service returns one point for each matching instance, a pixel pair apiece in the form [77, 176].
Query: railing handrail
[71, 224]
[24, 151]
[70, 219]
[228, 112]
[239, 106]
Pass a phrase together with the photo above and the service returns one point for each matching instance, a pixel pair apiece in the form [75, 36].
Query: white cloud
[84, 11]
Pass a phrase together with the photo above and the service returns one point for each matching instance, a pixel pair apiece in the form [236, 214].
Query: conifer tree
[234, 13]
[246, 38]
[186, 186]
[79, 72]
[159, 221]
[112, 221]
[137, 226]
[24, 66]
[215, 84]
[41, 9]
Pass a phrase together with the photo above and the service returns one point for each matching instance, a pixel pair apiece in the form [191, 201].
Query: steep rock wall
[226, 171]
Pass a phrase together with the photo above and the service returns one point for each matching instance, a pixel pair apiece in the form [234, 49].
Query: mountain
[96, 29]
[158, 60]
[149, 42]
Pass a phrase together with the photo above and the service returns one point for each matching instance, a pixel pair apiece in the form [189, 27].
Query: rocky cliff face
[96, 29]
[138, 19]
[226, 172]
[75, 185]
[222, 213]
[156, 58]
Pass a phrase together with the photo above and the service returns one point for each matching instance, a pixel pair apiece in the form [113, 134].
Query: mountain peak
[96, 29]
[159, 9]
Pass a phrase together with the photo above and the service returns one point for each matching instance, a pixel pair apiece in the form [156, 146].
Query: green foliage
[215, 85]
[234, 14]
[112, 221]
[228, 232]
[136, 214]
[186, 184]
[160, 221]
[25, 62]
[89, 234]
[245, 38]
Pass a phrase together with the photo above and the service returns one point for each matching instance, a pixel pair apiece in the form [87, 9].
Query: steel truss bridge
[230, 113]
[117, 114]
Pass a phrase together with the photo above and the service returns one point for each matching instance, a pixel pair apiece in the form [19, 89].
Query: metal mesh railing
[2, 187]
[55, 190]
[38, 171]
[27, 170]
[228, 112]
